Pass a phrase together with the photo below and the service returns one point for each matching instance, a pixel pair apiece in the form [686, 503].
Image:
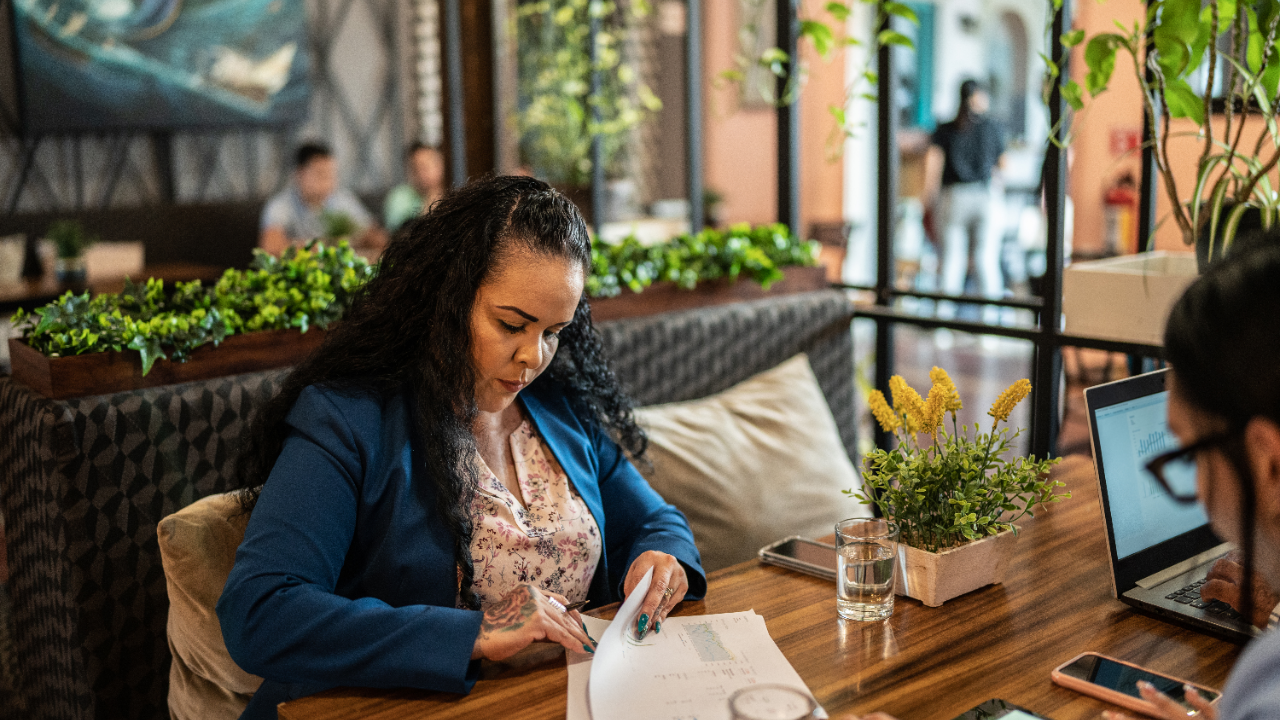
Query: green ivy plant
[556, 116]
[758, 252]
[306, 287]
[944, 488]
[1240, 39]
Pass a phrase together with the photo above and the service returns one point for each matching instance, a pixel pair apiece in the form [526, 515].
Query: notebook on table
[1160, 549]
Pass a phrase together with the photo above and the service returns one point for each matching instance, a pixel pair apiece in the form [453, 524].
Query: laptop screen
[1129, 434]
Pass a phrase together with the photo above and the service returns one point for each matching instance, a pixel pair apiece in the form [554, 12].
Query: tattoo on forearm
[511, 613]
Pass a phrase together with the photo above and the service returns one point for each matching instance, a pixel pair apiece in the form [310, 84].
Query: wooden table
[921, 664]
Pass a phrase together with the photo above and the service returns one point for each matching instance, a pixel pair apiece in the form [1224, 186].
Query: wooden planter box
[108, 372]
[934, 578]
[1125, 298]
[662, 297]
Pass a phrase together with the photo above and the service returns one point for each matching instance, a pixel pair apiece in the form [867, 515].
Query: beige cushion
[753, 464]
[198, 547]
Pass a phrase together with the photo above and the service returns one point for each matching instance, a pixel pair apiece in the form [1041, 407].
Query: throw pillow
[753, 464]
[198, 547]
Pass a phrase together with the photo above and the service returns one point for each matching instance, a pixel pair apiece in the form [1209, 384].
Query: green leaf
[1183, 102]
[1100, 58]
[1073, 38]
[1072, 94]
[838, 10]
[819, 34]
[901, 10]
[893, 37]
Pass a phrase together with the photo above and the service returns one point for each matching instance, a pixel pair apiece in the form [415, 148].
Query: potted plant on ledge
[954, 495]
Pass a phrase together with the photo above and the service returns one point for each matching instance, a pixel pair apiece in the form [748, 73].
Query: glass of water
[771, 702]
[866, 552]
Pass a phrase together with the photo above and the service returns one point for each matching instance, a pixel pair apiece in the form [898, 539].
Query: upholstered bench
[87, 480]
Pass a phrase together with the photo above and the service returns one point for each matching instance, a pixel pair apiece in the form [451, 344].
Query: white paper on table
[688, 670]
[609, 665]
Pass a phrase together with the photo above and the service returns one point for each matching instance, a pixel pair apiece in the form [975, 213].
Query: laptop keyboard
[1190, 595]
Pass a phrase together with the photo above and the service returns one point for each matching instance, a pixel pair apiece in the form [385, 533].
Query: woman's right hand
[527, 614]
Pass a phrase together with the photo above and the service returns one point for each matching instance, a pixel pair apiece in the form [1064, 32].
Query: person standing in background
[961, 177]
[424, 168]
[298, 213]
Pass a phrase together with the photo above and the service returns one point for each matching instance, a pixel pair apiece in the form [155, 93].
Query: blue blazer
[346, 575]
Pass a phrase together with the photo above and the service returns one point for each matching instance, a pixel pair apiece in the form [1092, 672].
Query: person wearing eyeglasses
[1223, 346]
[1222, 342]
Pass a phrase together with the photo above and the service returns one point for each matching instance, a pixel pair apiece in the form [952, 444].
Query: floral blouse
[552, 542]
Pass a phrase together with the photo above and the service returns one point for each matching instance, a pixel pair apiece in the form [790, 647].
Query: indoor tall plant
[954, 495]
[1215, 64]
[70, 240]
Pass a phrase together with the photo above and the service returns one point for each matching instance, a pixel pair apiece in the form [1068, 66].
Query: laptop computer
[1160, 549]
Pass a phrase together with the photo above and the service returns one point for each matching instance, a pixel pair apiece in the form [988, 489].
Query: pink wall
[739, 143]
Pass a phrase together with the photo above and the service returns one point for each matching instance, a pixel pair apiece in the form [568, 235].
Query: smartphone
[996, 708]
[1116, 681]
[807, 556]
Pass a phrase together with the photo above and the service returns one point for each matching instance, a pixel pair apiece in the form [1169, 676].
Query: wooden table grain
[921, 664]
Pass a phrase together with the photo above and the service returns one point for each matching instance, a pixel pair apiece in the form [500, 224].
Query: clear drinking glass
[866, 552]
[771, 702]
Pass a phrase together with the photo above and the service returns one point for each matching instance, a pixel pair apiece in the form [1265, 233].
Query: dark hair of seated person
[1223, 340]
[409, 330]
[307, 152]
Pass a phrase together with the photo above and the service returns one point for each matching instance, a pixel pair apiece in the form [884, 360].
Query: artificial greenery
[313, 286]
[757, 252]
[69, 238]
[947, 488]
[558, 114]
[1181, 42]
[306, 287]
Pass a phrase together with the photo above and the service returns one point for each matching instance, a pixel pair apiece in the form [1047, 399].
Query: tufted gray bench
[86, 480]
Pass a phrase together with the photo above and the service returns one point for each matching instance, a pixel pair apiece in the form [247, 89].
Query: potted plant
[1171, 52]
[954, 495]
[70, 241]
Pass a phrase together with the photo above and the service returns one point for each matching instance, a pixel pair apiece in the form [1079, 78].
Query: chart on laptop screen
[1129, 434]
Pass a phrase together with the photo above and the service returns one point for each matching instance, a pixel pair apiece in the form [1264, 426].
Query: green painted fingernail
[643, 625]
[588, 632]
[588, 649]
[657, 627]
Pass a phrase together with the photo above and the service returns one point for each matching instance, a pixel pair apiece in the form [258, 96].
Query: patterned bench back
[86, 480]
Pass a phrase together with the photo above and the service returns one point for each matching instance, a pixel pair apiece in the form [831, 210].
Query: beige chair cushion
[753, 464]
[198, 547]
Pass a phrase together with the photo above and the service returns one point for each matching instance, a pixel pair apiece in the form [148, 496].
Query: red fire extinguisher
[1120, 213]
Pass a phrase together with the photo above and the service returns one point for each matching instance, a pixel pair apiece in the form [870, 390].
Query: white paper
[688, 670]
[610, 665]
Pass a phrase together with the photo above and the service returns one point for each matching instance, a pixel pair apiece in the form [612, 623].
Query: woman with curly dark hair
[441, 478]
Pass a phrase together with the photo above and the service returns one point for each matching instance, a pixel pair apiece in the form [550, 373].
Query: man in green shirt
[424, 167]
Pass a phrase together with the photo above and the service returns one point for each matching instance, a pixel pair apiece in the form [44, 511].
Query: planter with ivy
[269, 315]
[630, 279]
[273, 313]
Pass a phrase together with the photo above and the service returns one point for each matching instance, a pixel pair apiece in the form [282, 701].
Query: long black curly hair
[409, 330]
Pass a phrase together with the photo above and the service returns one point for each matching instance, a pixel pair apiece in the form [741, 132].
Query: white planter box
[1125, 298]
[934, 578]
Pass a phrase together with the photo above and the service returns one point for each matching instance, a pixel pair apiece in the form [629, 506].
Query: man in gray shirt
[297, 214]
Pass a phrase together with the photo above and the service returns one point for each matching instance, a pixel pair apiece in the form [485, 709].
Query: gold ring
[666, 595]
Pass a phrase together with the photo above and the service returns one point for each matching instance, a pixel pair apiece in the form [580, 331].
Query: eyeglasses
[1176, 470]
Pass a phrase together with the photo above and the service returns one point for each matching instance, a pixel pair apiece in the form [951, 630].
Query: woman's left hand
[669, 585]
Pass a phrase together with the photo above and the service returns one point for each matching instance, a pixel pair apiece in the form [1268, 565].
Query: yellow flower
[907, 403]
[935, 407]
[882, 412]
[1012, 395]
[941, 378]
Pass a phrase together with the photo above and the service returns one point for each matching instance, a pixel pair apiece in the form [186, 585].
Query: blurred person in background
[311, 203]
[424, 168]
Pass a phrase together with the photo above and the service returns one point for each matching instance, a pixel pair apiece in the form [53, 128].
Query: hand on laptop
[1224, 581]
